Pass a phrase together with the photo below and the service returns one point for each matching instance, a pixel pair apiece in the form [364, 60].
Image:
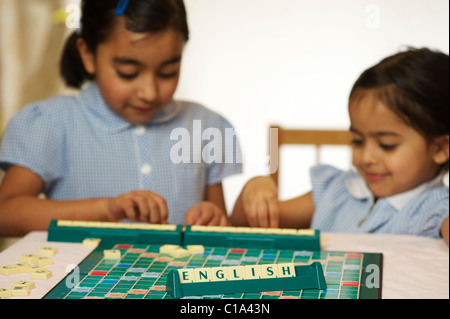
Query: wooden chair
[302, 137]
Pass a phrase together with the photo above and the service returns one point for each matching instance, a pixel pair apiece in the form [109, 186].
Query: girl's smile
[375, 178]
[142, 109]
[390, 155]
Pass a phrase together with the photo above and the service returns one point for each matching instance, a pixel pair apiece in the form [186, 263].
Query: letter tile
[168, 249]
[186, 275]
[9, 270]
[91, 242]
[22, 283]
[41, 274]
[180, 253]
[112, 254]
[48, 251]
[219, 274]
[23, 267]
[286, 270]
[20, 291]
[306, 232]
[45, 261]
[196, 249]
[236, 273]
[5, 293]
[29, 258]
[269, 271]
[253, 272]
[203, 275]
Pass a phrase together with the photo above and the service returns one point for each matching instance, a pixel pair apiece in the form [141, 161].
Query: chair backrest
[304, 137]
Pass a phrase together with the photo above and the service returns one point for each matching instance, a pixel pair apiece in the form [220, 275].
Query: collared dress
[81, 149]
[345, 204]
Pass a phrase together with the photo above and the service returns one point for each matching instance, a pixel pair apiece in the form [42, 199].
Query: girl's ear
[86, 56]
[441, 154]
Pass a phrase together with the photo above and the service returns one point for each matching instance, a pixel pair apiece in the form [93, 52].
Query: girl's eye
[356, 142]
[127, 76]
[388, 147]
[168, 75]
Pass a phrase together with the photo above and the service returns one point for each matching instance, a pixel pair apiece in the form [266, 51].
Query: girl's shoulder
[330, 182]
[55, 109]
[424, 215]
[46, 120]
[435, 199]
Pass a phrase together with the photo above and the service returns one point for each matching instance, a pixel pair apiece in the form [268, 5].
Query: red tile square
[237, 251]
[99, 273]
[350, 284]
[123, 246]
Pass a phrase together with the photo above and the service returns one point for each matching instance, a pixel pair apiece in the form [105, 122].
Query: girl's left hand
[206, 214]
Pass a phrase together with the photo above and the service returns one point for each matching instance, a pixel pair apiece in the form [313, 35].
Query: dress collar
[358, 188]
[102, 114]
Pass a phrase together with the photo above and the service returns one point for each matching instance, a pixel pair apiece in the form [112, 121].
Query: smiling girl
[399, 113]
[106, 154]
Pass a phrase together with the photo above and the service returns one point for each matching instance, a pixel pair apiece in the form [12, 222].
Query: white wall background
[293, 63]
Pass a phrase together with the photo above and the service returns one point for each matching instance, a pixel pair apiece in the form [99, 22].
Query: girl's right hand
[140, 206]
[260, 200]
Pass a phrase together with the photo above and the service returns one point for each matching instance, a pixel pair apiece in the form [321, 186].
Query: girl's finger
[274, 213]
[143, 208]
[262, 212]
[163, 209]
[129, 209]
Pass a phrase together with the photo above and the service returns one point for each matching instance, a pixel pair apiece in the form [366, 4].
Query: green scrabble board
[252, 240]
[77, 231]
[142, 273]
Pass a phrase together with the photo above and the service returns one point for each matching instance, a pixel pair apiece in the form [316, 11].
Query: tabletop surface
[413, 267]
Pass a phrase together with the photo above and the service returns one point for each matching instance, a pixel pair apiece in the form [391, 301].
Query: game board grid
[141, 273]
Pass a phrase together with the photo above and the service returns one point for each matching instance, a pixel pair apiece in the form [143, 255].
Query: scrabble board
[141, 272]
[244, 237]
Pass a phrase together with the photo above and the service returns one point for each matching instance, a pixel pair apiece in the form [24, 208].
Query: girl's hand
[260, 202]
[140, 206]
[206, 214]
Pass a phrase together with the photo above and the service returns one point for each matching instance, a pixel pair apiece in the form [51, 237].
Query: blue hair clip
[121, 7]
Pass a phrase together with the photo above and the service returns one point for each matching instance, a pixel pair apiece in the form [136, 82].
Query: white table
[414, 267]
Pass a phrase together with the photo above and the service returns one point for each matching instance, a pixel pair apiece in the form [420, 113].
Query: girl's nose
[148, 90]
[369, 154]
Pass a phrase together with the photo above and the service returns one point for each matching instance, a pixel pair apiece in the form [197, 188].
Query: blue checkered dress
[81, 149]
[345, 204]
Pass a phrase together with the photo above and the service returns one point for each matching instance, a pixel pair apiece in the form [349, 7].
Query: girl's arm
[297, 213]
[21, 211]
[445, 230]
[258, 206]
[212, 211]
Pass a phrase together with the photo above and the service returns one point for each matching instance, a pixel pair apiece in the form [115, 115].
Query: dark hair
[414, 85]
[99, 19]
